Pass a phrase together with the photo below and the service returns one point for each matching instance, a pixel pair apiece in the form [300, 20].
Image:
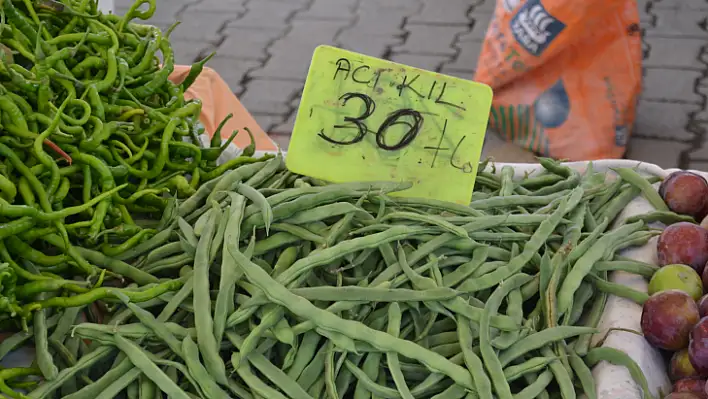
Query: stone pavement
[264, 49]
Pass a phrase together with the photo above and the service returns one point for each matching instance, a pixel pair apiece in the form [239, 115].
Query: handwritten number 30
[392, 120]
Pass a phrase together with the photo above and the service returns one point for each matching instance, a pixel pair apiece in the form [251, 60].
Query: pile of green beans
[287, 287]
[93, 137]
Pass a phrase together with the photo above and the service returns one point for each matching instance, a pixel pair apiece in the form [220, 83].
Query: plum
[704, 278]
[667, 319]
[680, 277]
[703, 305]
[680, 366]
[698, 347]
[694, 385]
[683, 243]
[683, 395]
[685, 193]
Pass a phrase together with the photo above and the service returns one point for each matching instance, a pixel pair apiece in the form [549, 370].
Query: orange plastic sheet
[217, 102]
[566, 75]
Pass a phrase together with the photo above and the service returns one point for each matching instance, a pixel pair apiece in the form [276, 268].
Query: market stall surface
[264, 48]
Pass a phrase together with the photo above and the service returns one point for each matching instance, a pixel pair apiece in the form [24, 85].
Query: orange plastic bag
[217, 102]
[566, 75]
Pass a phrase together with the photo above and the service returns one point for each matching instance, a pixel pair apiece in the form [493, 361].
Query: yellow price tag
[366, 119]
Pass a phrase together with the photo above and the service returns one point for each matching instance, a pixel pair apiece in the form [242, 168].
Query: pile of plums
[675, 317]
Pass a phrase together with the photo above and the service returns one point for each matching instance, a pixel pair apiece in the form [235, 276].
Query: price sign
[366, 119]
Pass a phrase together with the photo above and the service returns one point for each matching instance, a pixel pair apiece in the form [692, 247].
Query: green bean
[201, 300]
[394, 328]
[491, 361]
[618, 203]
[541, 339]
[666, 217]
[617, 357]
[532, 365]
[46, 388]
[41, 340]
[516, 200]
[256, 385]
[444, 225]
[561, 374]
[328, 255]
[584, 374]
[473, 362]
[585, 263]
[115, 373]
[208, 385]
[632, 177]
[534, 389]
[256, 197]
[453, 392]
[157, 328]
[229, 272]
[164, 251]
[117, 266]
[327, 321]
[619, 290]
[282, 380]
[187, 232]
[532, 246]
[140, 359]
[630, 266]
[369, 384]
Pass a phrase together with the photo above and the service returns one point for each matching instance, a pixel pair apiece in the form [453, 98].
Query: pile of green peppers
[95, 143]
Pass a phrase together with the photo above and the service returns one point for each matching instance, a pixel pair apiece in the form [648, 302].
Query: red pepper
[58, 150]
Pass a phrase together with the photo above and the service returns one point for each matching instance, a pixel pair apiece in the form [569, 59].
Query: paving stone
[645, 18]
[188, 51]
[311, 32]
[698, 165]
[678, 23]
[659, 152]
[480, 25]
[247, 43]
[202, 26]
[454, 12]
[467, 74]
[329, 9]
[122, 3]
[467, 57]
[671, 85]
[292, 65]
[229, 6]
[663, 120]
[269, 96]
[232, 70]
[675, 53]
[485, 6]
[409, 7]
[166, 10]
[702, 116]
[646, 49]
[430, 40]
[427, 62]
[281, 139]
[377, 22]
[683, 4]
[267, 14]
[373, 45]
[286, 128]
[700, 154]
[268, 121]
